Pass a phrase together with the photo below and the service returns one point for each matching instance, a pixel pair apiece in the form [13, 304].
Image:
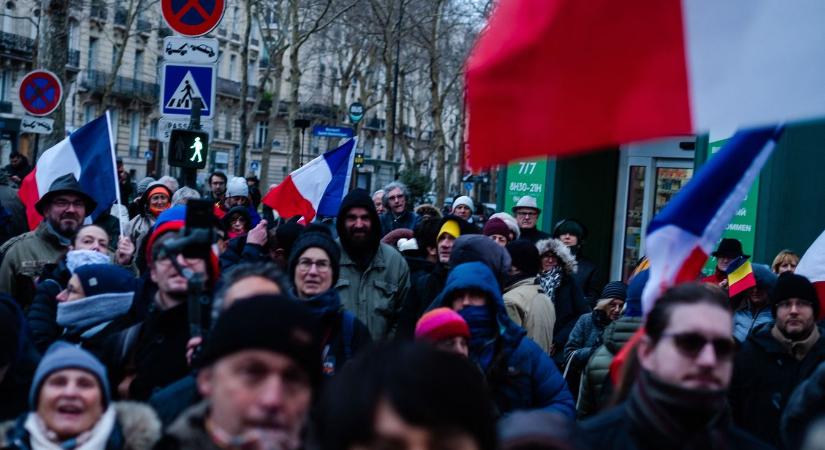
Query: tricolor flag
[316, 188]
[680, 238]
[812, 266]
[566, 76]
[740, 276]
[88, 153]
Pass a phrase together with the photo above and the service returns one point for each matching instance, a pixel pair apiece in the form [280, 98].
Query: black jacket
[806, 405]
[415, 304]
[533, 234]
[588, 277]
[615, 429]
[764, 377]
[238, 251]
[42, 314]
[570, 305]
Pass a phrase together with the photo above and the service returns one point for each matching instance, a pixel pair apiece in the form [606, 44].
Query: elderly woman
[90, 246]
[558, 265]
[95, 296]
[70, 408]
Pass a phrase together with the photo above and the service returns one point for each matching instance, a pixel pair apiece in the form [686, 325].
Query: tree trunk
[277, 78]
[53, 55]
[294, 89]
[436, 107]
[247, 32]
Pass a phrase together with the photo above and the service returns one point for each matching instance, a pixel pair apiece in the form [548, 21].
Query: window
[115, 51]
[134, 134]
[114, 116]
[138, 64]
[4, 84]
[235, 13]
[89, 113]
[233, 63]
[92, 53]
[74, 35]
[8, 18]
[321, 71]
[261, 133]
[153, 129]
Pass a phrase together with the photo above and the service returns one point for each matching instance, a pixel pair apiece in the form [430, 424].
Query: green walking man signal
[188, 148]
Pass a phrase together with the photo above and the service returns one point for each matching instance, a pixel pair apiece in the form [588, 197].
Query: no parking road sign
[192, 17]
[40, 92]
[180, 84]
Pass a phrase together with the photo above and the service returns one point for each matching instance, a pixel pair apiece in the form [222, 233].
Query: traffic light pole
[189, 176]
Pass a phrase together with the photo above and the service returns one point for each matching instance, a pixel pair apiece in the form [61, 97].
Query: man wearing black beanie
[526, 303]
[261, 368]
[775, 358]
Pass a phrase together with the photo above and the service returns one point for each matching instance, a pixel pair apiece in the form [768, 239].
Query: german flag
[740, 276]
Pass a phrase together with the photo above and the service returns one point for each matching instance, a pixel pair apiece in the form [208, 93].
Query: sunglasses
[692, 344]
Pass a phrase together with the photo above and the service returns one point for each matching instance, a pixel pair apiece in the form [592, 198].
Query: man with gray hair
[397, 215]
[184, 194]
[378, 200]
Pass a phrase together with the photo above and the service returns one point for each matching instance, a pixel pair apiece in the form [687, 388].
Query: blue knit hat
[62, 355]
[105, 279]
[633, 305]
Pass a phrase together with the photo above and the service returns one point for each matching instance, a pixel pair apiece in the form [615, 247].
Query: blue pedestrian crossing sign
[180, 84]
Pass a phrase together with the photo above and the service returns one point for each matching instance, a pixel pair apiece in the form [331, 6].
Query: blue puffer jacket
[522, 376]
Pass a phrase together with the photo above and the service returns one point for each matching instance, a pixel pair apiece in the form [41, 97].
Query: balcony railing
[16, 45]
[233, 88]
[95, 80]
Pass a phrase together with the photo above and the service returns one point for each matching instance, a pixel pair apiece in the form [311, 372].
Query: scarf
[550, 281]
[674, 417]
[483, 333]
[797, 349]
[88, 313]
[95, 439]
[78, 258]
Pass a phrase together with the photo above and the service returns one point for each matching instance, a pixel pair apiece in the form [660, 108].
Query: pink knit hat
[439, 324]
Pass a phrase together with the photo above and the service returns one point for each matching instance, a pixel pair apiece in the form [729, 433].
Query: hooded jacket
[569, 299]
[522, 376]
[374, 278]
[529, 308]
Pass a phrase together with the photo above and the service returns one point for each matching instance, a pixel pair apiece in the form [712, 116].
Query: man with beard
[217, 187]
[63, 208]
[775, 358]
[374, 278]
[678, 400]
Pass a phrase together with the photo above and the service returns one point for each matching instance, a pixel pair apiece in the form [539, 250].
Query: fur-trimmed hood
[139, 428]
[563, 252]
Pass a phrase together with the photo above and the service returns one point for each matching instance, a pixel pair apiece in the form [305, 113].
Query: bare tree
[306, 19]
[53, 55]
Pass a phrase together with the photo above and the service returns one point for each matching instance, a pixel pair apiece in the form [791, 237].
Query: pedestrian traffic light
[188, 148]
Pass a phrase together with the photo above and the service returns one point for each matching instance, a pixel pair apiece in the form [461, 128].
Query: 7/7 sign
[525, 178]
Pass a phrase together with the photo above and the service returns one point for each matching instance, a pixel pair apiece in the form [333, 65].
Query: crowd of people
[386, 327]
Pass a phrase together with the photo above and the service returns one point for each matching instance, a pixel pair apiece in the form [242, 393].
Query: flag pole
[114, 167]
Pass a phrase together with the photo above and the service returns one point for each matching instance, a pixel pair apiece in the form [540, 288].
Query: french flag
[88, 153]
[317, 187]
[568, 76]
[812, 266]
[680, 238]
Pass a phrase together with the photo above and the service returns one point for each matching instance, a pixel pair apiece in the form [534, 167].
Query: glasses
[692, 344]
[395, 197]
[321, 265]
[526, 214]
[63, 203]
[791, 302]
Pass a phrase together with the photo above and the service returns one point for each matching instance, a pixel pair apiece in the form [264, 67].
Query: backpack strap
[347, 330]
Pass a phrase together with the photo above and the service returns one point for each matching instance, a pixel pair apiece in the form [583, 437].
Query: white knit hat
[464, 200]
[237, 187]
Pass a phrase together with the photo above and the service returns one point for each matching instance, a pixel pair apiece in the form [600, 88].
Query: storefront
[649, 175]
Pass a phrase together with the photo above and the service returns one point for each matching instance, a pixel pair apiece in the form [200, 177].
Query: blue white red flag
[88, 153]
[316, 188]
[680, 238]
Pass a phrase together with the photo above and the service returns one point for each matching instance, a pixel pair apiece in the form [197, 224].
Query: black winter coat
[238, 251]
[806, 405]
[589, 279]
[615, 429]
[570, 305]
[415, 304]
[42, 314]
[764, 377]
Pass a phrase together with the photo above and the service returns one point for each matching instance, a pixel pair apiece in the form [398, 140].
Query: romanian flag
[740, 276]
